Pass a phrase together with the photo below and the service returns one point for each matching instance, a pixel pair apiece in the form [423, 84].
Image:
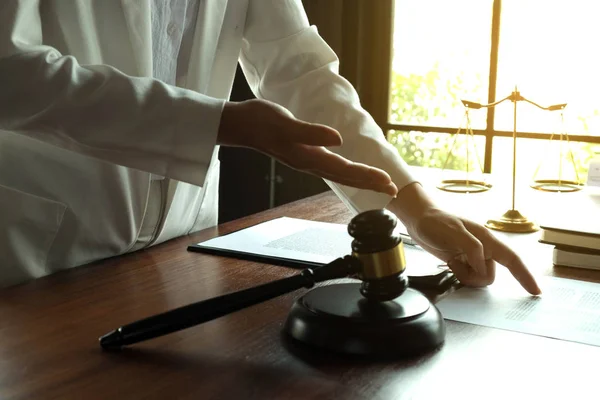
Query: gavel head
[379, 247]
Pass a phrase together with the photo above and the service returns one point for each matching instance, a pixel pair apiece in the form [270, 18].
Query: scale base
[338, 318]
[512, 221]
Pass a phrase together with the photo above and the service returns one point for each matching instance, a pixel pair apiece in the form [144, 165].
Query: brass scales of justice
[512, 220]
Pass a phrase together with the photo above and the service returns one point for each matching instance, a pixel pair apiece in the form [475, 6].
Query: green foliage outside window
[431, 99]
[434, 99]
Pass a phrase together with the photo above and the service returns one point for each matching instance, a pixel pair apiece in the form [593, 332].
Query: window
[480, 50]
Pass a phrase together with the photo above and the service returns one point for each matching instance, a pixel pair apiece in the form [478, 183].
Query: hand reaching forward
[469, 249]
[273, 130]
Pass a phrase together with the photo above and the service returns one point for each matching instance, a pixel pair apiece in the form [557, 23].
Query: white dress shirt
[173, 23]
[173, 30]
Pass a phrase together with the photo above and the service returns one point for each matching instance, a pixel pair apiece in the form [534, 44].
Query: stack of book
[575, 245]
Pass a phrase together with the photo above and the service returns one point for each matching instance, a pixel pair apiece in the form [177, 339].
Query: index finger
[501, 253]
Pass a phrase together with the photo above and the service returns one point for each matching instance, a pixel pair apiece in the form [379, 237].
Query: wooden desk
[49, 330]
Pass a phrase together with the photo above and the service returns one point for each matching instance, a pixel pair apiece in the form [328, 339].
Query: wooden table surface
[49, 333]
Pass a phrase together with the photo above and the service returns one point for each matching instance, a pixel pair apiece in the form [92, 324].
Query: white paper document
[309, 241]
[566, 310]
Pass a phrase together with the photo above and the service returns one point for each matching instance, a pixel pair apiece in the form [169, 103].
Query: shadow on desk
[323, 360]
[178, 375]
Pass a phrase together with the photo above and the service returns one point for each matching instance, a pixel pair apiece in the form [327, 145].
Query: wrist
[228, 124]
[236, 127]
[245, 123]
[411, 204]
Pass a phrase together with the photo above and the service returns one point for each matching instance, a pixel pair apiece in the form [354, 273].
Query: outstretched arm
[287, 62]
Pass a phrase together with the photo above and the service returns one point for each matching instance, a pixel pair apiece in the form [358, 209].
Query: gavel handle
[207, 310]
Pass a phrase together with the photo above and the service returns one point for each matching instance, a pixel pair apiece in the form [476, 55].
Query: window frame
[375, 78]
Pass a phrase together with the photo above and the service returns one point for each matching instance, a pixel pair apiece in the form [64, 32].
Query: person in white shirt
[112, 113]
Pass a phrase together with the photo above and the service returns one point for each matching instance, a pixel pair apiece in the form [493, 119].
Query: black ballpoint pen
[207, 310]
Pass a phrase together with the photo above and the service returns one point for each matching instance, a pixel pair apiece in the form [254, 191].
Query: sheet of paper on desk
[312, 241]
[566, 310]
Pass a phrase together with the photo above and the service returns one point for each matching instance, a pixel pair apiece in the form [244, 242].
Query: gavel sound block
[380, 316]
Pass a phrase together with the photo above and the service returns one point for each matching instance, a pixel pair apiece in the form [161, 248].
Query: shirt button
[171, 28]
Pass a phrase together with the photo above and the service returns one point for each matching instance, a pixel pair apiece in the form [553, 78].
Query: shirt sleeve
[97, 110]
[286, 61]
